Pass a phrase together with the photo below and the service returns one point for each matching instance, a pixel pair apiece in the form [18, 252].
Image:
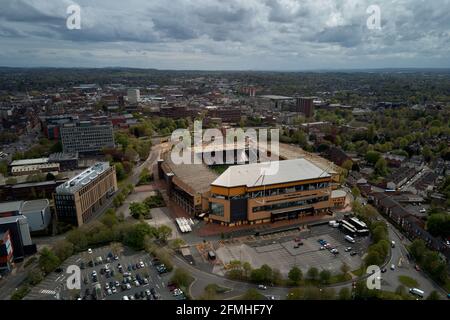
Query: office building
[86, 137]
[133, 95]
[82, 197]
[243, 194]
[66, 161]
[305, 105]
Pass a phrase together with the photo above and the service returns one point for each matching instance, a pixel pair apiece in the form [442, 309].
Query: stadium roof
[252, 175]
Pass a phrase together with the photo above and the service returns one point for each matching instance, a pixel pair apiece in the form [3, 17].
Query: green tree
[312, 274]
[262, 275]
[345, 294]
[120, 171]
[381, 167]
[253, 294]
[345, 268]
[355, 192]
[325, 276]
[138, 209]
[164, 232]
[182, 277]
[34, 277]
[3, 168]
[434, 296]
[372, 157]
[295, 275]
[347, 165]
[439, 225]
[63, 249]
[136, 236]
[48, 261]
[78, 238]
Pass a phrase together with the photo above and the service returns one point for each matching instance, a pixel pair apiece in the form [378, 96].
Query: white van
[417, 292]
[349, 239]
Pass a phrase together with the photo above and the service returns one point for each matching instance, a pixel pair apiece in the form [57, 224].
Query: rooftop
[275, 97]
[252, 175]
[10, 206]
[338, 193]
[85, 177]
[196, 178]
[28, 162]
[63, 156]
[35, 205]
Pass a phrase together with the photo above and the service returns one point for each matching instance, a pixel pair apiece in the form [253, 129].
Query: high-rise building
[305, 105]
[133, 95]
[86, 137]
[81, 198]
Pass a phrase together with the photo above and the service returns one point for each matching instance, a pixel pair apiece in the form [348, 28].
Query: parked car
[392, 266]
[353, 253]
[348, 249]
[383, 270]
[262, 287]
[417, 267]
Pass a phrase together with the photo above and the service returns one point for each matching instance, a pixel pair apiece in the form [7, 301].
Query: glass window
[217, 209]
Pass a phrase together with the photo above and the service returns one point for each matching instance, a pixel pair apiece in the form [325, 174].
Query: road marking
[46, 291]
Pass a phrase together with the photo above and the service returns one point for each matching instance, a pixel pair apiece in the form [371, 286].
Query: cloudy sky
[226, 34]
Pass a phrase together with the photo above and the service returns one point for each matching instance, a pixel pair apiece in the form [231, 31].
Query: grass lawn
[359, 272]
[408, 281]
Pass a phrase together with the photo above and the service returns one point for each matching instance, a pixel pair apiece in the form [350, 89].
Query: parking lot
[134, 280]
[284, 252]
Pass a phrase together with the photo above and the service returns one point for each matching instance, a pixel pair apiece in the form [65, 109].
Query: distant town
[88, 179]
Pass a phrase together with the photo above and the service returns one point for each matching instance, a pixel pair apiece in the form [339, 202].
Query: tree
[381, 167]
[164, 232]
[345, 294]
[434, 296]
[49, 177]
[78, 238]
[63, 249]
[325, 276]
[138, 209]
[439, 225]
[345, 268]
[34, 276]
[312, 274]
[372, 156]
[3, 168]
[295, 275]
[347, 165]
[253, 294]
[355, 192]
[135, 237]
[181, 277]
[418, 249]
[262, 275]
[120, 171]
[48, 261]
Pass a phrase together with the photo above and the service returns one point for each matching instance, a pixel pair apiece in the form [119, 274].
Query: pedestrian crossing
[46, 291]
